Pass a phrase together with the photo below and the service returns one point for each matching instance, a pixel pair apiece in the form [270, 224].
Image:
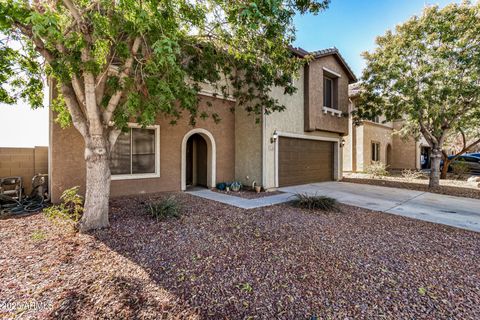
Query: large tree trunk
[435, 168]
[446, 164]
[97, 196]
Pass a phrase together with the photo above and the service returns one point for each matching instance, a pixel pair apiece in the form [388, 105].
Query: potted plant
[236, 186]
[256, 188]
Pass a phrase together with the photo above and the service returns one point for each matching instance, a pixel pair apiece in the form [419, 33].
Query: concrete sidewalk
[242, 202]
[453, 211]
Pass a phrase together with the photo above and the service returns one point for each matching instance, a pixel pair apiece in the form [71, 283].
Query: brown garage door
[302, 161]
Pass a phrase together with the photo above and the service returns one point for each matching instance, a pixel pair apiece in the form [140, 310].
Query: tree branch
[115, 99]
[93, 112]
[77, 15]
[464, 140]
[101, 80]
[86, 10]
[112, 137]
[79, 91]
[39, 45]
[78, 119]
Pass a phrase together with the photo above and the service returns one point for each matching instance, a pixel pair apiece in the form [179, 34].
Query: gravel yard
[458, 188]
[221, 262]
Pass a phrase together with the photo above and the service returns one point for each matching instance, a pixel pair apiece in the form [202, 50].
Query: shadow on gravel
[284, 263]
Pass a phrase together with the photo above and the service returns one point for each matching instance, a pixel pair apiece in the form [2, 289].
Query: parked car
[473, 162]
[475, 154]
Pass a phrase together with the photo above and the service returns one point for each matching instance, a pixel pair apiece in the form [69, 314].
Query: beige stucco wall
[358, 151]
[248, 147]
[373, 132]
[349, 155]
[327, 121]
[407, 153]
[289, 121]
[23, 162]
[68, 165]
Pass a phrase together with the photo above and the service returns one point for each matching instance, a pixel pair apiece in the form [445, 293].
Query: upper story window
[330, 89]
[136, 154]
[328, 92]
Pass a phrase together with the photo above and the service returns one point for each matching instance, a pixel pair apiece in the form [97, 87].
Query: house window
[375, 151]
[328, 92]
[376, 119]
[136, 154]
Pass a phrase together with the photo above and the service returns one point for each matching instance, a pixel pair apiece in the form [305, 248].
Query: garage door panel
[304, 161]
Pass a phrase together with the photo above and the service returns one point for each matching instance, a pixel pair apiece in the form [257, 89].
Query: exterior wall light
[342, 143]
[274, 137]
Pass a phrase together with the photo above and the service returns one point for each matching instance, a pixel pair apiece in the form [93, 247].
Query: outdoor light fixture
[342, 143]
[274, 137]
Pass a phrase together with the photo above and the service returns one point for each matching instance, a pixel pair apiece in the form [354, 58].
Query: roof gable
[328, 52]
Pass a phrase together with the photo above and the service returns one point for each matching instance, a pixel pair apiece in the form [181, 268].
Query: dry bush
[377, 170]
[315, 202]
[410, 175]
[163, 209]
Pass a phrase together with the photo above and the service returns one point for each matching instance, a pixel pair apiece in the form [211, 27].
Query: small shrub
[247, 287]
[166, 208]
[460, 168]
[38, 235]
[410, 175]
[377, 170]
[314, 202]
[221, 186]
[70, 210]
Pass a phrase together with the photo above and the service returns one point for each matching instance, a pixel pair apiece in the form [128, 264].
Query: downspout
[50, 128]
[264, 148]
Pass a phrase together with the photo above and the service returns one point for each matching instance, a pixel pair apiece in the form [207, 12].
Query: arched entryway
[198, 159]
[389, 155]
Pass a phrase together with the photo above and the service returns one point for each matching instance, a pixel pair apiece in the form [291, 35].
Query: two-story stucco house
[302, 144]
[375, 141]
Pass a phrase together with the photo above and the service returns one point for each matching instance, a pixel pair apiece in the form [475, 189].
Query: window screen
[134, 152]
[328, 92]
[143, 151]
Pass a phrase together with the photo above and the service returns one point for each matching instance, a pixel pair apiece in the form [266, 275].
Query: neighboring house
[375, 141]
[302, 144]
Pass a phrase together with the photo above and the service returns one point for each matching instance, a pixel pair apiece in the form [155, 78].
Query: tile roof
[327, 52]
[336, 52]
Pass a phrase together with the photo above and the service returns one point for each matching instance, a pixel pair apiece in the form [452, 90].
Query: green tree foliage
[116, 60]
[427, 72]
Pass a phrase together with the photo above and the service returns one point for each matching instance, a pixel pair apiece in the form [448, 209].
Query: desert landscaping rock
[221, 262]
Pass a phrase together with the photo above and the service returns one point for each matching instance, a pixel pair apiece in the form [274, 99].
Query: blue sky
[353, 25]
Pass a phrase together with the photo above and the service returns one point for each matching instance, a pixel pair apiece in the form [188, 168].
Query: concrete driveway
[453, 211]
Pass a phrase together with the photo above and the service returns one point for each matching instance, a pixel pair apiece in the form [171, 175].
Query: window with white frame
[375, 151]
[136, 153]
